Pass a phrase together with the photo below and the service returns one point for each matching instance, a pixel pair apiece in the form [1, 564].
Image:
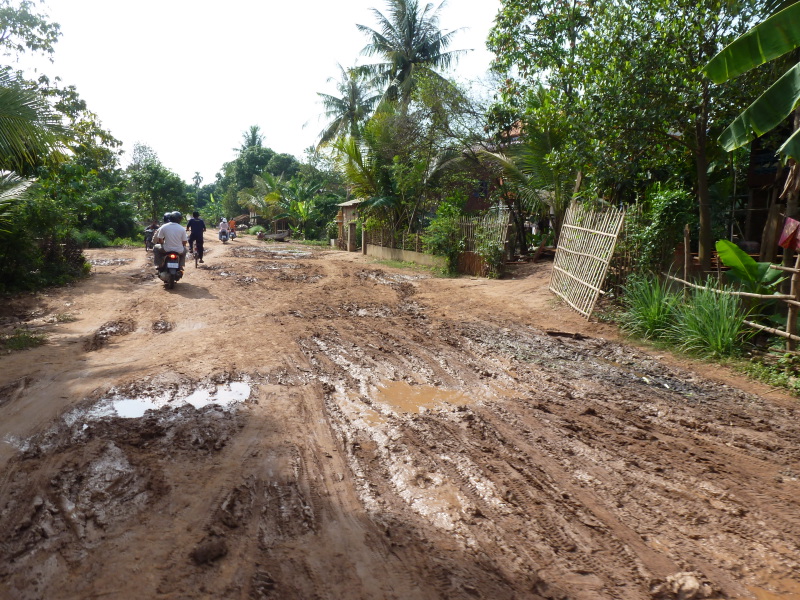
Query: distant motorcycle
[148, 239]
[170, 270]
[223, 236]
[233, 234]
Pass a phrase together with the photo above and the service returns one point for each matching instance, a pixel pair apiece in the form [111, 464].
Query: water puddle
[109, 262]
[411, 398]
[133, 408]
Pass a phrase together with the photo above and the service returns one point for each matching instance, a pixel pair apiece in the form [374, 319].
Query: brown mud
[296, 423]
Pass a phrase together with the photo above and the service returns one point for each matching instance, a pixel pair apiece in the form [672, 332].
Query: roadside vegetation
[21, 339]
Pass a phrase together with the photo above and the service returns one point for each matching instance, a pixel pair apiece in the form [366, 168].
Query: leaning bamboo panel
[585, 248]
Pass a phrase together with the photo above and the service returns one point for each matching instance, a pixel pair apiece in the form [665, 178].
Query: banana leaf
[773, 38]
[791, 147]
[766, 113]
[755, 277]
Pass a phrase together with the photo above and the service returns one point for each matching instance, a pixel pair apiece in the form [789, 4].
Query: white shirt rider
[173, 237]
[223, 225]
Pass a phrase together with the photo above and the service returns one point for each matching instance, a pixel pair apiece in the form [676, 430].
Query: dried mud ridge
[400, 453]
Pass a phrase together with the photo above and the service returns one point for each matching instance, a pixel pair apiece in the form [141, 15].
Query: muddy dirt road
[299, 424]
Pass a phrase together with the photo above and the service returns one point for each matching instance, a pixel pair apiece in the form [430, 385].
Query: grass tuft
[650, 307]
[21, 339]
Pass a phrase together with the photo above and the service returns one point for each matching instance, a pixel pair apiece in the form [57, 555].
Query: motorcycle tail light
[173, 255]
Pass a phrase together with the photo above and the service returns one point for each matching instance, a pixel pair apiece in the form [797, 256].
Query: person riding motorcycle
[223, 226]
[148, 235]
[170, 237]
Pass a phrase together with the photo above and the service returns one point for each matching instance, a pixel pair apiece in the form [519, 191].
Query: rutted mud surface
[310, 425]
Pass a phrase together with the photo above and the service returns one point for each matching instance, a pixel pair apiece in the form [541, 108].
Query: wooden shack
[346, 221]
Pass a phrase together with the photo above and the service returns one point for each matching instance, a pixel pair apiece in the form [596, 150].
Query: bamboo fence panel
[585, 248]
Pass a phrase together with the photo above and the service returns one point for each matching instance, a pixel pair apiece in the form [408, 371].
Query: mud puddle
[414, 399]
[122, 405]
[270, 252]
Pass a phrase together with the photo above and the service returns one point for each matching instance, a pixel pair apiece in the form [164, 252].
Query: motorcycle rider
[196, 226]
[223, 226]
[232, 228]
[148, 235]
[170, 237]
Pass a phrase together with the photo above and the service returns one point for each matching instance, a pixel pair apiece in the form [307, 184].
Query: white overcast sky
[187, 77]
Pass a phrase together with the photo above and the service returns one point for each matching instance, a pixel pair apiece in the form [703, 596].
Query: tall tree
[409, 41]
[348, 111]
[252, 138]
[23, 29]
[630, 84]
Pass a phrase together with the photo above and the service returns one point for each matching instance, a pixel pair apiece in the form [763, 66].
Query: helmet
[175, 217]
[224, 220]
[166, 217]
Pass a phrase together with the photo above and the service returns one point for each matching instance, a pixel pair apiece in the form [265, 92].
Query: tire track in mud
[594, 510]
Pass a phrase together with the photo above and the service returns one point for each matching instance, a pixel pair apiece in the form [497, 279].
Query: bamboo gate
[585, 249]
[477, 232]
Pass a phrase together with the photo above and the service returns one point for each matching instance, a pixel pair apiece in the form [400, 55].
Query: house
[346, 221]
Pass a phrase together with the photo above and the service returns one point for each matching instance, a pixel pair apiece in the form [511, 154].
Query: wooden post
[351, 236]
[791, 318]
[364, 242]
[687, 259]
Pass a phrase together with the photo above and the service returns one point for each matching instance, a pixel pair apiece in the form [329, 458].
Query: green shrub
[711, 324]
[654, 231]
[650, 307]
[332, 229]
[492, 252]
[88, 238]
[443, 235]
[127, 242]
[256, 229]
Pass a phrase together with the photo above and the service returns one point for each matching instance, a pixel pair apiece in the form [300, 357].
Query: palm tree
[251, 138]
[29, 129]
[410, 42]
[12, 189]
[532, 180]
[349, 111]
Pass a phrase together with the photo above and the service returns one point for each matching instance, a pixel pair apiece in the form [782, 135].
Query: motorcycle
[233, 234]
[148, 239]
[223, 236]
[170, 270]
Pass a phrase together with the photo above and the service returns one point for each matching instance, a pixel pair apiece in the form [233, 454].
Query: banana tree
[773, 38]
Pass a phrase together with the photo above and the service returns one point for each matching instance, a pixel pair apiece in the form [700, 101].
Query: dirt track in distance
[297, 423]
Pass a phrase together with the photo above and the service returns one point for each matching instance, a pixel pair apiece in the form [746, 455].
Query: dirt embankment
[289, 423]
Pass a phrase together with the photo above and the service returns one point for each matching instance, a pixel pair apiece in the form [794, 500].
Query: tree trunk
[706, 241]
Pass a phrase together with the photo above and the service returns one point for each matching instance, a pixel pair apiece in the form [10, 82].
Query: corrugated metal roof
[350, 203]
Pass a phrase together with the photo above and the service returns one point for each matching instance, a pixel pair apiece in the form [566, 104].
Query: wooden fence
[473, 231]
[491, 228]
[585, 248]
